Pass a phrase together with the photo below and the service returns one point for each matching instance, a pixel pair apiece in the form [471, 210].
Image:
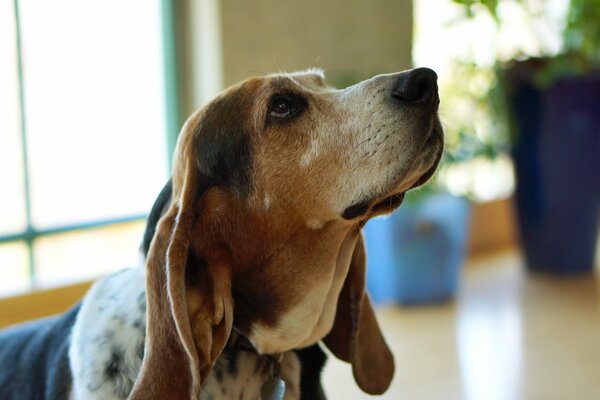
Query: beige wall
[223, 41]
[350, 39]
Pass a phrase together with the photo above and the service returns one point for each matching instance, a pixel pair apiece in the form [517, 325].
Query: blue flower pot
[415, 255]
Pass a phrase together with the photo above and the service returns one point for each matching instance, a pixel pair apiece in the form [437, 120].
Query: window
[85, 134]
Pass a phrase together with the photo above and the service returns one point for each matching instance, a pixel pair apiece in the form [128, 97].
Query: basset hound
[253, 252]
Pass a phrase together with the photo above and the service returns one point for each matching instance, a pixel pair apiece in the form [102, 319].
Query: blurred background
[485, 279]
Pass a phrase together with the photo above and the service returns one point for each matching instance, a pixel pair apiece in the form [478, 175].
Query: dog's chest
[107, 349]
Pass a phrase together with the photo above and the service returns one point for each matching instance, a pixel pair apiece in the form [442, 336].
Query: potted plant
[551, 107]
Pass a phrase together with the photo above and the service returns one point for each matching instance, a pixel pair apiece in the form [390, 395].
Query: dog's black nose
[418, 86]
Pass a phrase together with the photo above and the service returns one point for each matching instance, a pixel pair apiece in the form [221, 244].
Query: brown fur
[244, 253]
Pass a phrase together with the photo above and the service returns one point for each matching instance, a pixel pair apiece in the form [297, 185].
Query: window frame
[173, 121]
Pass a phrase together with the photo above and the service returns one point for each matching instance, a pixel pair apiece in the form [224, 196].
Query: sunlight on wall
[205, 23]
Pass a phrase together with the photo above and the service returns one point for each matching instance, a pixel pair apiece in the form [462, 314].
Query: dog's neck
[286, 275]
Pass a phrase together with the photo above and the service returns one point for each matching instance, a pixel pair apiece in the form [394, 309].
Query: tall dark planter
[556, 153]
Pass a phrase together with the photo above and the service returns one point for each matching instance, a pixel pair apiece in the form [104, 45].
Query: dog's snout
[417, 86]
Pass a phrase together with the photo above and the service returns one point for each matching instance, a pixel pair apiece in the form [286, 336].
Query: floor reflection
[489, 345]
[509, 335]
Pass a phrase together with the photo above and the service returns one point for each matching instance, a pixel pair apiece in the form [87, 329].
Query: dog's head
[272, 182]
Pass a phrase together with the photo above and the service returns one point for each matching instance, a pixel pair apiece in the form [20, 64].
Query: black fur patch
[115, 373]
[113, 369]
[34, 361]
[223, 144]
[251, 306]
[158, 208]
[218, 372]
[232, 359]
[223, 153]
[312, 361]
[356, 210]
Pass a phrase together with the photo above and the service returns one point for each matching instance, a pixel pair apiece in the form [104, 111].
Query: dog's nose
[417, 86]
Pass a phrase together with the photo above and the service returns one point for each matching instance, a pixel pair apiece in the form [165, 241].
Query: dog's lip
[426, 175]
[434, 137]
[389, 203]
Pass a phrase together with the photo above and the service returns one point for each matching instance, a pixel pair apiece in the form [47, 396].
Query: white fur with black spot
[107, 349]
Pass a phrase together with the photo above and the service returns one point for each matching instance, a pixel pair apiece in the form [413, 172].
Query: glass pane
[95, 107]
[12, 211]
[14, 274]
[87, 254]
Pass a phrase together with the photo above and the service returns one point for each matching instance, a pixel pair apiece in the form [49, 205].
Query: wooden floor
[508, 336]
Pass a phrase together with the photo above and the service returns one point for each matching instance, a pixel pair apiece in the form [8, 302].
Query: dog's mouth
[388, 204]
[378, 206]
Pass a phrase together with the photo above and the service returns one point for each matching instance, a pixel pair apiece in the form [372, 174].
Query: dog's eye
[285, 107]
[281, 108]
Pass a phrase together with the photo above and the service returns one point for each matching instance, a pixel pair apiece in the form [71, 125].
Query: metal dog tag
[273, 389]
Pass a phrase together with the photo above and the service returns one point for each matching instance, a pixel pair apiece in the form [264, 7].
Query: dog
[253, 252]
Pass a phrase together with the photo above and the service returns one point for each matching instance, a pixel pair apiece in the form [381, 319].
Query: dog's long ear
[189, 301]
[355, 336]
